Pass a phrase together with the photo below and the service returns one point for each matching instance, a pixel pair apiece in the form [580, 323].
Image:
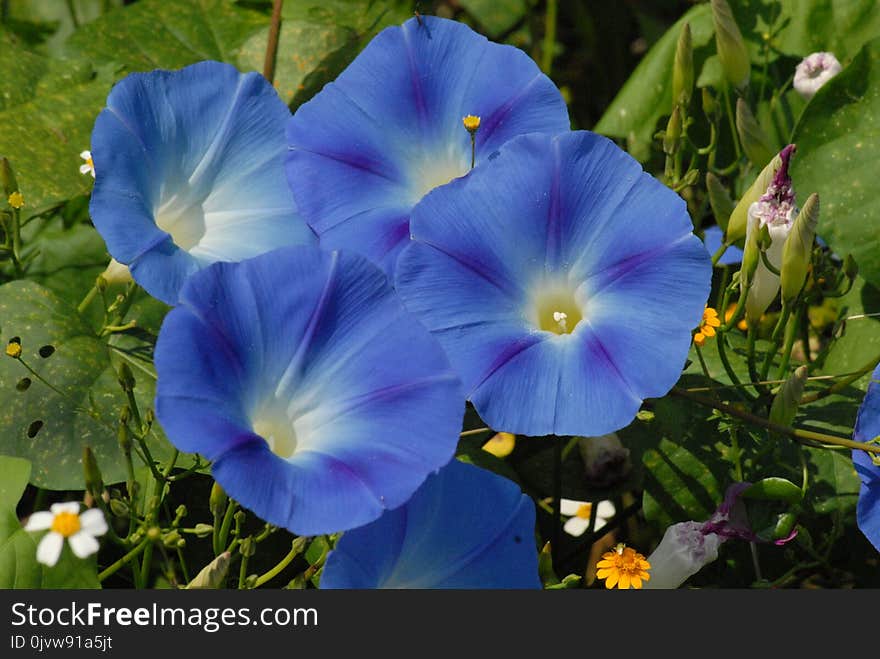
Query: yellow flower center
[272, 424]
[16, 199]
[66, 524]
[584, 510]
[471, 123]
[501, 445]
[557, 311]
[13, 349]
[624, 568]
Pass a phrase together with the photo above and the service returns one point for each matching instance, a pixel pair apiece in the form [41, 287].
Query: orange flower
[742, 324]
[707, 326]
[624, 567]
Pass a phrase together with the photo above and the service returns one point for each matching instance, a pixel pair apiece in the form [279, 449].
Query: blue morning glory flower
[464, 528]
[868, 428]
[320, 401]
[189, 170]
[562, 280]
[391, 127]
[712, 236]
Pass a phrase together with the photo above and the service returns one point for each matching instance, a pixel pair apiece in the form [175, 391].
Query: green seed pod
[731, 47]
[719, 200]
[203, 530]
[683, 69]
[739, 218]
[757, 146]
[798, 250]
[217, 501]
[119, 508]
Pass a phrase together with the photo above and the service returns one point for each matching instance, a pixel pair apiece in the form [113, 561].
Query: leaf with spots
[49, 425]
[318, 40]
[838, 139]
[153, 34]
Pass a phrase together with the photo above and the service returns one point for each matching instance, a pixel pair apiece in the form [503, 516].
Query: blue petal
[189, 171]
[315, 347]
[368, 146]
[572, 212]
[464, 528]
[712, 239]
[867, 428]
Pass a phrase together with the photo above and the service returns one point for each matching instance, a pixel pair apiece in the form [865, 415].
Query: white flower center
[272, 423]
[555, 308]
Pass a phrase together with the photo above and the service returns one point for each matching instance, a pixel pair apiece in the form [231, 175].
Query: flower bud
[732, 50]
[683, 69]
[606, 460]
[798, 250]
[710, 105]
[213, 575]
[719, 200]
[672, 135]
[116, 273]
[126, 377]
[203, 530]
[247, 547]
[119, 508]
[736, 227]
[785, 403]
[757, 146]
[93, 479]
[217, 500]
[813, 72]
[683, 551]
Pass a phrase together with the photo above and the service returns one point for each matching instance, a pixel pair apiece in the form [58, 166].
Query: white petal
[83, 544]
[569, 507]
[39, 521]
[576, 526]
[84, 169]
[68, 507]
[605, 511]
[49, 548]
[85, 155]
[92, 522]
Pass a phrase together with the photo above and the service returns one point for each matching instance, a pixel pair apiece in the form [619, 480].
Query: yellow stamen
[66, 524]
[471, 123]
[584, 510]
[16, 199]
[13, 349]
[623, 567]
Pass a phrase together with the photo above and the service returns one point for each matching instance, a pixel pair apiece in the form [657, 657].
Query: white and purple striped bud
[775, 210]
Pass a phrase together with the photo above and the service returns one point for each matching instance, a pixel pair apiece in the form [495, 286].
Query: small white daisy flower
[579, 513]
[89, 166]
[813, 72]
[62, 521]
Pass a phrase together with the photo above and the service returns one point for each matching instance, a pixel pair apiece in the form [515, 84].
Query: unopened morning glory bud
[217, 500]
[731, 48]
[775, 210]
[213, 575]
[683, 551]
[798, 250]
[787, 399]
[683, 69]
[93, 479]
[719, 200]
[757, 146]
[672, 136]
[116, 273]
[736, 227]
[813, 72]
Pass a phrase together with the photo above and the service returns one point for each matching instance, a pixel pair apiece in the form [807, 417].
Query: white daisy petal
[83, 544]
[67, 507]
[39, 521]
[92, 522]
[605, 510]
[85, 155]
[49, 549]
[84, 169]
[600, 522]
[576, 526]
[569, 507]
